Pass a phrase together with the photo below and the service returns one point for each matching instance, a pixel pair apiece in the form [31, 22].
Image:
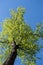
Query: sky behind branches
[33, 14]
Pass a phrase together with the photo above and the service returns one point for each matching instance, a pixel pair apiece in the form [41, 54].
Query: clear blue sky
[33, 15]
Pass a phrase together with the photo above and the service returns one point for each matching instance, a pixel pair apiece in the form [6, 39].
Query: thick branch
[10, 60]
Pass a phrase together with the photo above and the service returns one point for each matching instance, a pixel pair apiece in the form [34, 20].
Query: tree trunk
[10, 60]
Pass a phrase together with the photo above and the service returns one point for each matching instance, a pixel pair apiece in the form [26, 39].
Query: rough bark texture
[10, 60]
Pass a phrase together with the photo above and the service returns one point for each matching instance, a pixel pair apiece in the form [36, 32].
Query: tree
[18, 38]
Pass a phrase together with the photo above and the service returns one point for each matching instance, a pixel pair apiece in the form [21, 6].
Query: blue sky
[33, 15]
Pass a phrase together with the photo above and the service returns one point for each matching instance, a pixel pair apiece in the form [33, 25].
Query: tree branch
[11, 59]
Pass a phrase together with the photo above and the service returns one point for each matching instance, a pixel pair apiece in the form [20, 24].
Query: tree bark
[10, 60]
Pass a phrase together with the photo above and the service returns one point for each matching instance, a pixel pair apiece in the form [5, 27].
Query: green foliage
[15, 29]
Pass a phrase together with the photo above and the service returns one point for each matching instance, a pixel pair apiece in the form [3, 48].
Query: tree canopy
[15, 29]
